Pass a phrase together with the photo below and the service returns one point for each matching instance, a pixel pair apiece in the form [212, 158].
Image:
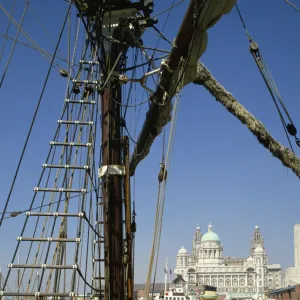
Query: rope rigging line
[289, 128]
[112, 40]
[161, 34]
[34, 117]
[168, 9]
[59, 256]
[16, 213]
[14, 44]
[34, 48]
[55, 257]
[58, 247]
[142, 64]
[44, 53]
[162, 193]
[292, 5]
[47, 181]
[161, 200]
[7, 30]
[41, 25]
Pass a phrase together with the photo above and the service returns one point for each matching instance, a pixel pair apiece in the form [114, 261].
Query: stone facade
[206, 265]
[292, 275]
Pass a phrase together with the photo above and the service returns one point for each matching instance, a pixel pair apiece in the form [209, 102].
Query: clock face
[198, 246]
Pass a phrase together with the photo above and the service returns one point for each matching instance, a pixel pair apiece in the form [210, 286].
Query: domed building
[237, 278]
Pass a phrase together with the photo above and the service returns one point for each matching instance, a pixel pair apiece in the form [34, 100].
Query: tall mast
[114, 169]
[111, 187]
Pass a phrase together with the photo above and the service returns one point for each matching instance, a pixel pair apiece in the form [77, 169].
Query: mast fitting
[123, 79]
[166, 66]
[111, 170]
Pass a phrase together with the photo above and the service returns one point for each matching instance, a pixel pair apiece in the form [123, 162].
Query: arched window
[221, 282]
[227, 282]
[234, 282]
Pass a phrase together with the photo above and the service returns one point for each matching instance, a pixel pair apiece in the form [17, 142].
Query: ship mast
[116, 20]
[111, 184]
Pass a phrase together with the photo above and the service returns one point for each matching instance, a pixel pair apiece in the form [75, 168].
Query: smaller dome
[182, 250]
[256, 227]
[198, 227]
[259, 249]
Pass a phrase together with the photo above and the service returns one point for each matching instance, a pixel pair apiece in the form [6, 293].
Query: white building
[292, 275]
[235, 277]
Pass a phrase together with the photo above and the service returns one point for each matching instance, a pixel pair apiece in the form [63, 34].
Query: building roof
[157, 286]
[281, 290]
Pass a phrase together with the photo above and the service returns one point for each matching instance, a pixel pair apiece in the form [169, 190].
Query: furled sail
[189, 45]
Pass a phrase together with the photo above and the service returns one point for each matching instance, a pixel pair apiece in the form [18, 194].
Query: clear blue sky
[219, 173]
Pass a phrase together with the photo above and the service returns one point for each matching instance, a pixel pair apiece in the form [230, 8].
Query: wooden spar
[285, 155]
[179, 70]
[153, 120]
[129, 259]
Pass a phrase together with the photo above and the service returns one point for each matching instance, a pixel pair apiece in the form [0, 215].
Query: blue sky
[219, 173]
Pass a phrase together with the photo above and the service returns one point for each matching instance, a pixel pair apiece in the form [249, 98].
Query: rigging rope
[292, 5]
[34, 116]
[161, 200]
[34, 48]
[271, 86]
[168, 9]
[14, 44]
[47, 56]
[7, 30]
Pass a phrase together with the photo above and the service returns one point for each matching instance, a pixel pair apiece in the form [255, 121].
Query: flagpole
[166, 278]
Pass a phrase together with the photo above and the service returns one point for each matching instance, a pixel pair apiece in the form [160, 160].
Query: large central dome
[210, 236]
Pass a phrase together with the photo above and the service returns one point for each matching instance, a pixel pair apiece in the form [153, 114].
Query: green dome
[210, 237]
